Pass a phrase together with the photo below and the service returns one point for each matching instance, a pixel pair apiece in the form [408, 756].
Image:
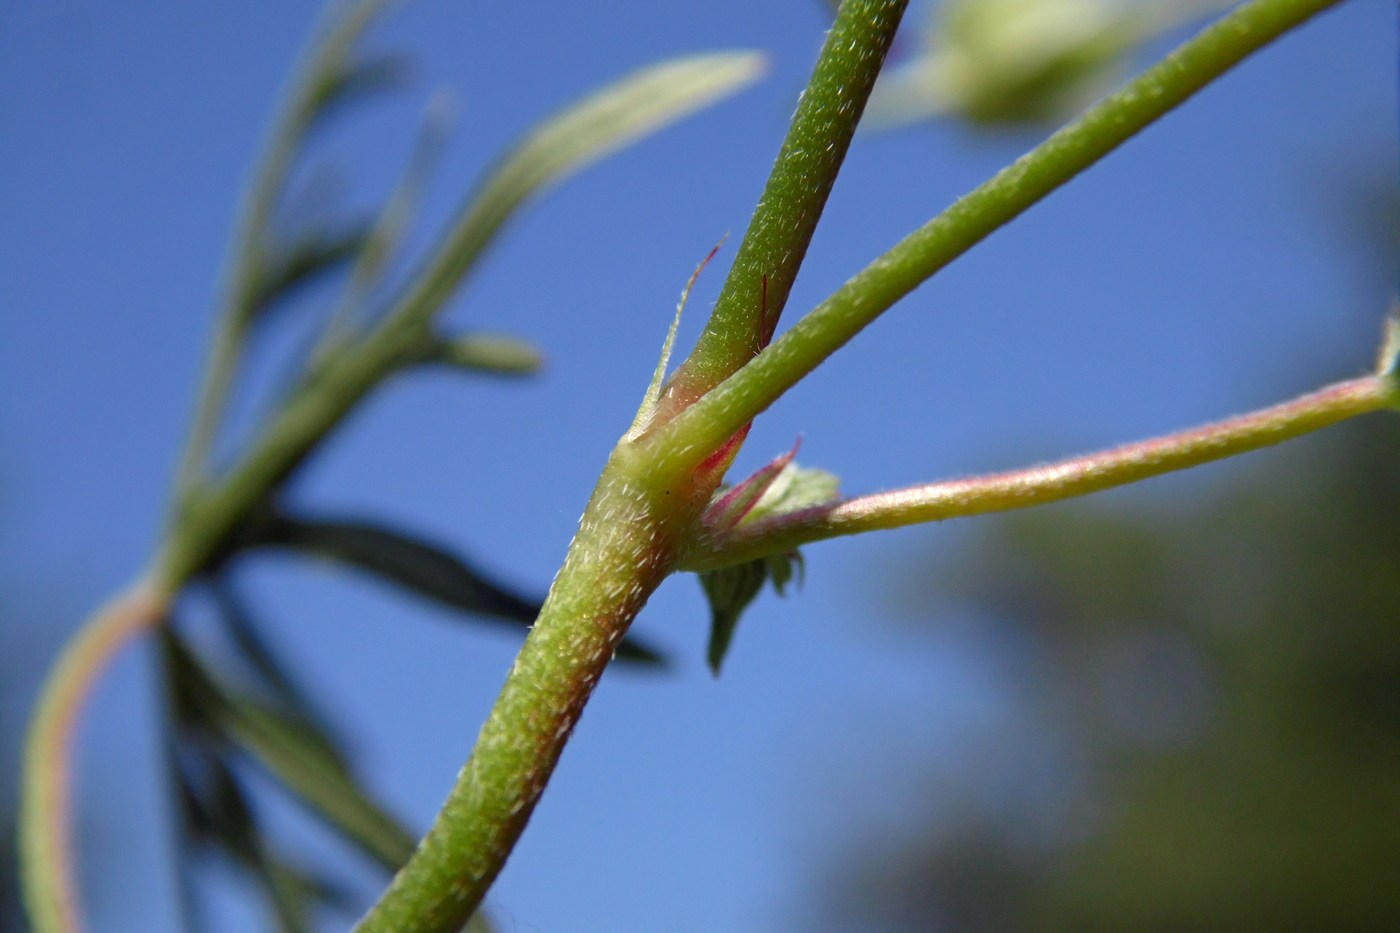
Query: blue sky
[1209, 267]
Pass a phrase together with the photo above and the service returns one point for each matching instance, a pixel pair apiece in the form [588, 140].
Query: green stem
[45, 841]
[254, 228]
[304, 421]
[706, 424]
[1019, 489]
[782, 225]
[625, 545]
[623, 550]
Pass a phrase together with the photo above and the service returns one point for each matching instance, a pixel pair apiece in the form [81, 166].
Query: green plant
[659, 506]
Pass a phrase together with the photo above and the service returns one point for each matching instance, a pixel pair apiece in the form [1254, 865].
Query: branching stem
[1038, 485]
[45, 834]
[706, 424]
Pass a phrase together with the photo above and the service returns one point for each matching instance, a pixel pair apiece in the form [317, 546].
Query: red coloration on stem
[739, 501]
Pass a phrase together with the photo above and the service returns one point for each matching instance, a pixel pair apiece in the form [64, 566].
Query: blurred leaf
[596, 126]
[328, 77]
[293, 753]
[486, 353]
[267, 666]
[227, 813]
[312, 255]
[279, 745]
[427, 569]
[1019, 63]
[1389, 362]
[355, 81]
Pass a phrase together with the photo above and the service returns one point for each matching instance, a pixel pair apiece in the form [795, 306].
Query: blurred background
[1170, 707]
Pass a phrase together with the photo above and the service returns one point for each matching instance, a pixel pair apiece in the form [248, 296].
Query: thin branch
[624, 548]
[1077, 476]
[44, 829]
[328, 58]
[708, 423]
[778, 234]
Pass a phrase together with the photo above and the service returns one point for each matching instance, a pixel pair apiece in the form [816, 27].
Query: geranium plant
[664, 502]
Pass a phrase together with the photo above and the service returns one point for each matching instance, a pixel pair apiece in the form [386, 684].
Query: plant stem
[623, 550]
[782, 225]
[254, 228]
[1019, 489]
[736, 401]
[44, 832]
[626, 544]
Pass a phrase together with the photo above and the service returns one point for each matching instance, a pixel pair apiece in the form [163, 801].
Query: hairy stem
[625, 545]
[44, 832]
[1038, 485]
[623, 550]
[736, 401]
[782, 225]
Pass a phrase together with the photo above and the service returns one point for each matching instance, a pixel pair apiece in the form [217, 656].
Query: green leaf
[312, 255]
[777, 488]
[730, 590]
[596, 126]
[270, 669]
[486, 353]
[354, 81]
[319, 780]
[729, 507]
[427, 569]
[291, 753]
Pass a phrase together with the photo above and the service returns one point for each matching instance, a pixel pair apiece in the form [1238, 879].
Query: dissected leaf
[417, 565]
[293, 754]
[273, 674]
[314, 254]
[596, 126]
[319, 780]
[354, 81]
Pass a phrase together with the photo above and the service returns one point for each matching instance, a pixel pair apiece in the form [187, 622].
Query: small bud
[1389, 362]
[1016, 62]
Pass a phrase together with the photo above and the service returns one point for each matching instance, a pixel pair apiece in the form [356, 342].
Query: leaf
[319, 780]
[268, 667]
[284, 747]
[729, 590]
[486, 353]
[355, 80]
[1389, 362]
[596, 126]
[777, 488]
[425, 568]
[312, 255]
